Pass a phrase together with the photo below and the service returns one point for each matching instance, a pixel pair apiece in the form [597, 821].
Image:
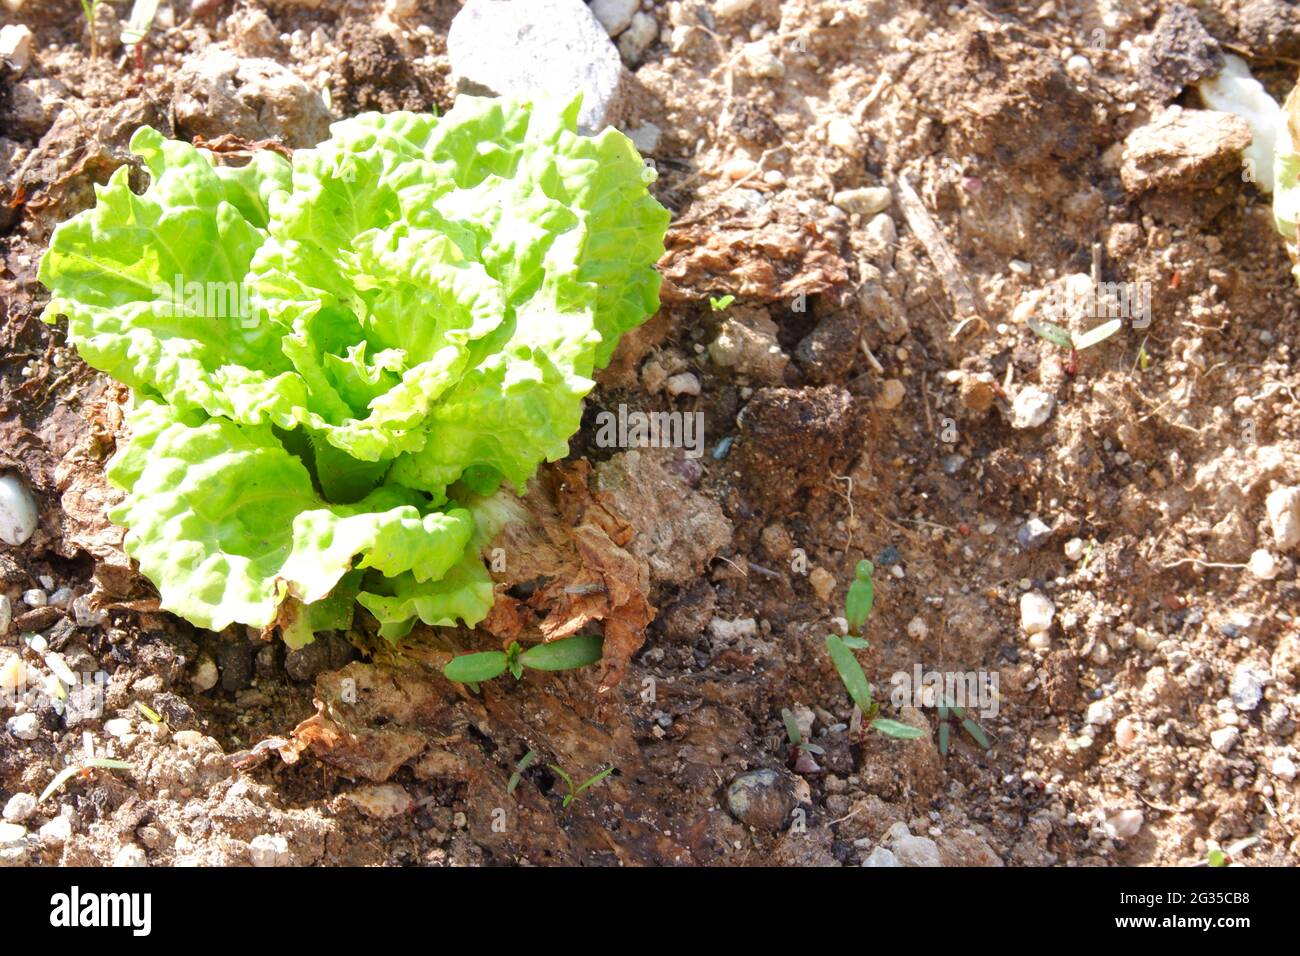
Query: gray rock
[881, 857]
[534, 48]
[24, 726]
[1033, 534]
[19, 808]
[218, 92]
[912, 850]
[1246, 687]
[57, 832]
[614, 15]
[762, 799]
[636, 39]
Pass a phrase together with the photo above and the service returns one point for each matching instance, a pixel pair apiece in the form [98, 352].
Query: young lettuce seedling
[568, 654]
[857, 608]
[575, 792]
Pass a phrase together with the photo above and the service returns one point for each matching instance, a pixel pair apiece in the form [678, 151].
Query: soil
[1158, 455]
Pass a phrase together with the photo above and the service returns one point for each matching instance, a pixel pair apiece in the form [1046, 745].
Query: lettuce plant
[337, 361]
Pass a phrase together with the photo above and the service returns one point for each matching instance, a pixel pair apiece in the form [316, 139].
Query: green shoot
[861, 597]
[574, 793]
[719, 303]
[1068, 340]
[67, 773]
[568, 654]
[795, 736]
[153, 716]
[90, 9]
[140, 22]
[525, 762]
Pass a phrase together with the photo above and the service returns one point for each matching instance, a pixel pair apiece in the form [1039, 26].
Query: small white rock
[1283, 768]
[725, 630]
[1283, 507]
[683, 383]
[758, 60]
[1101, 712]
[24, 726]
[917, 629]
[19, 808]
[205, 675]
[16, 46]
[1224, 739]
[12, 833]
[1031, 407]
[892, 393]
[35, 597]
[636, 39]
[1036, 612]
[844, 136]
[17, 509]
[1074, 549]
[645, 138]
[866, 201]
[57, 832]
[131, 855]
[118, 727]
[614, 15]
[1125, 824]
[1263, 565]
[6, 614]
[1078, 67]
[268, 850]
[881, 857]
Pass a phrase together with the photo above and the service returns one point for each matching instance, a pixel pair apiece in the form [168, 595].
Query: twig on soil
[871, 358]
[923, 225]
[1203, 563]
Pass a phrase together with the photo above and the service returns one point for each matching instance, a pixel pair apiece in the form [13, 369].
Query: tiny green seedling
[857, 609]
[947, 711]
[139, 22]
[525, 762]
[799, 748]
[719, 303]
[568, 654]
[82, 769]
[90, 10]
[575, 792]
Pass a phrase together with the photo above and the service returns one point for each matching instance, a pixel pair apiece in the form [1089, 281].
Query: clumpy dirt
[859, 400]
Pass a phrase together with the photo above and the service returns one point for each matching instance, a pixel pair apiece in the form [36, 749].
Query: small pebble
[1125, 824]
[1125, 734]
[57, 832]
[1033, 534]
[1036, 612]
[891, 394]
[917, 629]
[1283, 768]
[12, 833]
[1031, 407]
[131, 855]
[18, 515]
[19, 808]
[1224, 739]
[24, 726]
[1263, 565]
[823, 583]
[683, 383]
[268, 850]
[35, 598]
[1074, 549]
[866, 201]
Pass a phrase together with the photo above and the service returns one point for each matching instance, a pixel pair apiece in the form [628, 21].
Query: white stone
[1031, 407]
[1101, 712]
[881, 857]
[381, 801]
[1247, 686]
[636, 39]
[725, 630]
[866, 201]
[6, 614]
[537, 48]
[130, 855]
[1283, 507]
[1124, 824]
[912, 850]
[683, 383]
[758, 60]
[118, 727]
[1036, 612]
[16, 46]
[19, 808]
[1263, 565]
[645, 138]
[614, 15]
[1283, 768]
[205, 675]
[268, 850]
[1074, 549]
[17, 511]
[57, 832]
[11, 833]
[844, 136]
[24, 726]
[1224, 739]
[917, 629]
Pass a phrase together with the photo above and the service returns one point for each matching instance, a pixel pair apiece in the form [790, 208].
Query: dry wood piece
[964, 302]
